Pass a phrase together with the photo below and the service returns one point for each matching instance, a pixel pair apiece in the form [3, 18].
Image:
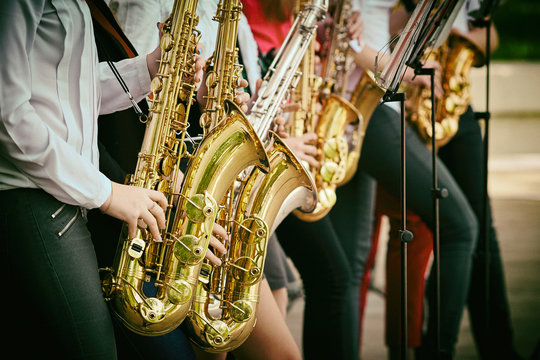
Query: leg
[323, 266]
[352, 218]
[57, 278]
[458, 225]
[366, 276]
[276, 272]
[271, 338]
[464, 157]
[418, 255]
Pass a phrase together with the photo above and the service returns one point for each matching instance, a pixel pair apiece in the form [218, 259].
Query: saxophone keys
[167, 42]
[327, 197]
[152, 310]
[156, 85]
[179, 292]
[187, 249]
[136, 248]
[216, 332]
[252, 230]
[199, 207]
[241, 310]
[245, 270]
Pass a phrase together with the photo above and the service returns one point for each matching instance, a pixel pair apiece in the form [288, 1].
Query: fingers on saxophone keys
[217, 245]
[220, 231]
[212, 258]
[148, 220]
[242, 99]
[158, 214]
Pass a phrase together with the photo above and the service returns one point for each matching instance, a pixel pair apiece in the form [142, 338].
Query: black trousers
[330, 256]
[57, 309]
[458, 224]
[463, 156]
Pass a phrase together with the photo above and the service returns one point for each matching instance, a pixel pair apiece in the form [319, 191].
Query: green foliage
[518, 25]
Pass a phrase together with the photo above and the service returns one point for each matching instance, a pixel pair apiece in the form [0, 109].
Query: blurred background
[514, 183]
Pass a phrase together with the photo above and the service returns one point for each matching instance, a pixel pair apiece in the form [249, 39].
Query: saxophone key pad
[136, 247]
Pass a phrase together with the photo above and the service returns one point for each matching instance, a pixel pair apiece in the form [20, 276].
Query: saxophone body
[336, 117]
[224, 308]
[151, 284]
[365, 97]
[457, 55]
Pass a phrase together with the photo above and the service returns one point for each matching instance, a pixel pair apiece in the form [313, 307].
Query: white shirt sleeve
[134, 73]
[37, 148]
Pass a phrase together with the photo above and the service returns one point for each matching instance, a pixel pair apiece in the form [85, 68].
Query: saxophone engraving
[226, 301]
[457, 55]
[150, 285]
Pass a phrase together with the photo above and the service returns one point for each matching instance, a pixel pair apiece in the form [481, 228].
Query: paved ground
[514, 185]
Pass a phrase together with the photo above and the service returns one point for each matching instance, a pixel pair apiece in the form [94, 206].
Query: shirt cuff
[105, 189]
[143, 75]
[357, 46]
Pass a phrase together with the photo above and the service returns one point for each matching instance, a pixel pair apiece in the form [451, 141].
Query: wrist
[152, 62]
[107, 204]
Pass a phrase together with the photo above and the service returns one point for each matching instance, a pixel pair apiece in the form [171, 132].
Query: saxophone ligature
[224, 308]
[151, 284]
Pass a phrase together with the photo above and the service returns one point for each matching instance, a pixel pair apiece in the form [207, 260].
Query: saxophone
[456, 56]
[338, 116]
[365, 97]
[224, 308]
[150, 285]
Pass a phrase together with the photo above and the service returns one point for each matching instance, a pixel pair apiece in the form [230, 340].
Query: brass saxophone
[223, 72]
[337, 117]
[150, 285]
[457, 55]
[223, 311]
[365, 97]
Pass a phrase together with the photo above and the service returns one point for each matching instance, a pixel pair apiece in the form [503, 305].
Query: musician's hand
[242, 97]
[255, 95]
[356, 26]
[304, 147]
[281, 129]
[425, 80]
[153, 59]
[281, 121]
[199, 65]
[137, 206]
[217, 244]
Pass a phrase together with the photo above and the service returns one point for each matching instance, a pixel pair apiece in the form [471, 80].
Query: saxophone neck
[337, 63]
[282, 76]
[223, 73]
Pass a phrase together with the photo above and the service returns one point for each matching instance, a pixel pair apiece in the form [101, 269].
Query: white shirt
[376, 19]
[53, 90]
[461, 23]
[138, 19]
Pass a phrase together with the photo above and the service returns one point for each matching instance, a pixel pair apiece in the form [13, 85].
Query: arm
[478, 36]
[30, 145]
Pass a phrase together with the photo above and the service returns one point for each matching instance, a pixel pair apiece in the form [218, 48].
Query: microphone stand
[405, 235]
[436, 194]
[484, 246]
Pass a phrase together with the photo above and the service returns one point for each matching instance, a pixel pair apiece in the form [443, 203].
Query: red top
[269, 35]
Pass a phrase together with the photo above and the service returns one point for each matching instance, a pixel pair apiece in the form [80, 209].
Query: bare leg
[271, 338]
[282, 299]
[202, 355]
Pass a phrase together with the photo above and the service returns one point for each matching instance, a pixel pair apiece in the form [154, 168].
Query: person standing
[53, 90]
